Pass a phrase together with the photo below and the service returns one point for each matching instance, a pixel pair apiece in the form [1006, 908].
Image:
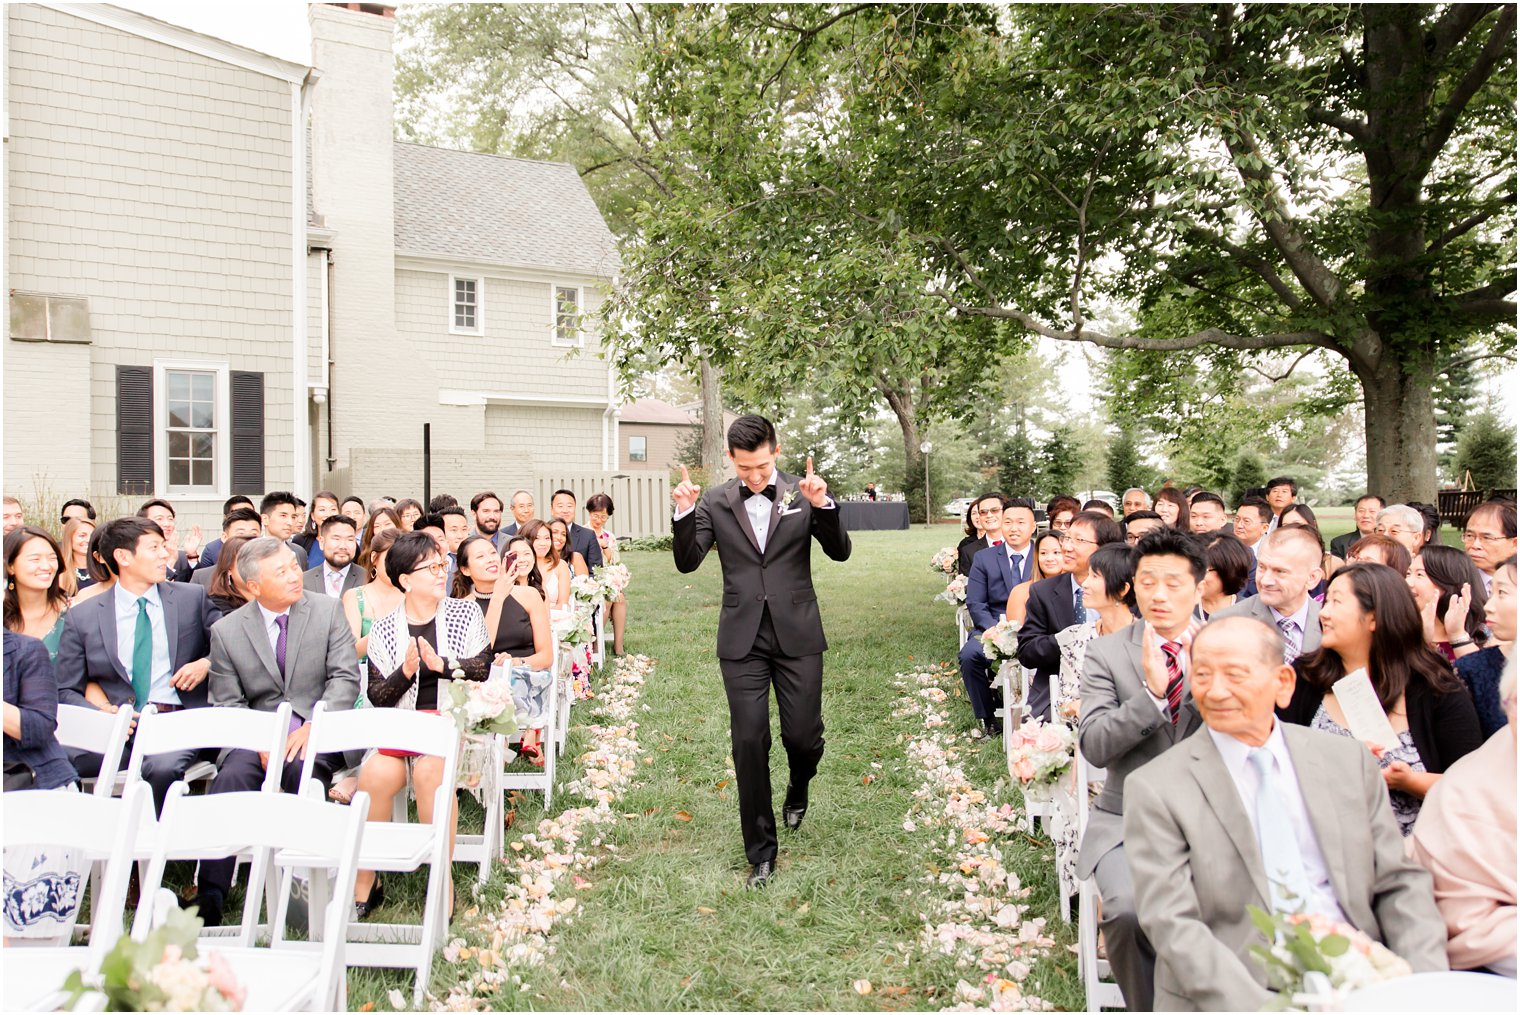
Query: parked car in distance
[957, 508]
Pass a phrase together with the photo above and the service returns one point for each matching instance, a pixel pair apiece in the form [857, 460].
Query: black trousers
[159, 771]
[799, 698]
[241, 771]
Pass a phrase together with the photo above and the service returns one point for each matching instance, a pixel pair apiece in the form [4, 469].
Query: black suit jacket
[1050, 611]
[967, 550]
[583, 541]
[88, 649]
[780, 579]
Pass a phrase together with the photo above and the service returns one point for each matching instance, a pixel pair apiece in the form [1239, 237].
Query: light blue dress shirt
[161, 691]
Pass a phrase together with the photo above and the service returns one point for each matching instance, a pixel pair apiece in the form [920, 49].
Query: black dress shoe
[208, 906]
[794, 807]
[375, 901]
[760, 874]
[993, 726]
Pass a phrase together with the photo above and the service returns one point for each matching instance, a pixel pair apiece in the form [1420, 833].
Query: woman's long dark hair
[1306, 519]
[1398, 655]
[970, 528]
[464, 584]
[534, 579]
[221, 571]
[367, 540]
[57, 598]
[529, 531]
[1172, 495]
[1448, 570]
[310, 532]
[1034, 547]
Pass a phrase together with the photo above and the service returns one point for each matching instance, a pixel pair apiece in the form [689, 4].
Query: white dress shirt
[1321, 893]
[160, 691]
[333, 580]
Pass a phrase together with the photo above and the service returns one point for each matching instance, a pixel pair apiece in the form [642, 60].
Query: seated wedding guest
[1108, 593]
[485, 507]
[995, 570]
[101, 579]
[76, 507]
[353, 507]
[598, 511]
[1281, 492]
[985, 518]
[1135, 499]
[408, 511]
[76, 553]
[323, 506]
[478, 571]
[182, 559]
[278, 511]
[562, 506]
[380, 521]
[241, 523]
[1287, 568]
[406, 653]
[521, 506]
[1369, 622]
[382, 502]
[1049, 561]
[148, 642]
[338, 546]
[1255, 812]
[554, 573]
[1404, 524]
[1056, 604]
[456, 529]
[226, 589]
[1172, 506]
[1488, 536]
[1135, 706]
[1230, 563]
[433, 525]
[284, 646]
[361, 607]
[1385, 550]
[517, 621]
[1060, 510]
[1100, 506]
[36, 601]
[440, 501]
[1366, 511]
[1206, 514]
[40, 907]
[1431, 516]
[1253, 520]
[231, 506]
[12, 515]
[1465, 837]
[1480, 671]
[1138, 524]
[1448, 590]
[560, 530]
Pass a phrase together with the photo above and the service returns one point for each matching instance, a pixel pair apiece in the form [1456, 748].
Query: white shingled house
[225, 275]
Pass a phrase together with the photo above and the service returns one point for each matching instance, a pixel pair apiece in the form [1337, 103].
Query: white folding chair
[1097, 978]
[288, 975]
[102, 733]
[98, 828]
[393, 846]
[962, 628]
[549, 743]
[599, 626]
[1447, 991]
[196, 729]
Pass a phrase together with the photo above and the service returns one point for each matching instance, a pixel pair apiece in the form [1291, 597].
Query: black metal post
[427, 464]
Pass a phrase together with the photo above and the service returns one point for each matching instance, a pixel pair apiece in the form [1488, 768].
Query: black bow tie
[769, 493]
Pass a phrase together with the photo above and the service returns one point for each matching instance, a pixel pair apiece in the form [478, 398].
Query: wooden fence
[640, 499]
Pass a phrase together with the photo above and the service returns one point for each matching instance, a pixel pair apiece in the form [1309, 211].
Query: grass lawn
[667, 923]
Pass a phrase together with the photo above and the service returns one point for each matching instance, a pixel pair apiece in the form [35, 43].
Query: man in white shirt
[337, 573]
[1287, 567]
[1277, 816]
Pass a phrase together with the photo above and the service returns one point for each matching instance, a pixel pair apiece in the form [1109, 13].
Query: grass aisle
[666, 923]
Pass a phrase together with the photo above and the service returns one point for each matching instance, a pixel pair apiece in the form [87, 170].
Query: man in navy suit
[581, 539]
[144, 642]
[994, 572]
[1056, 604]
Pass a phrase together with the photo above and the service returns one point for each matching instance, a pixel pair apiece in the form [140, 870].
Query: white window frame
[222, 420]
[480, 304]
[638, 437]
[579, 342]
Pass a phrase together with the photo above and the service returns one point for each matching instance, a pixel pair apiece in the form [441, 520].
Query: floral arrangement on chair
[955, 591]
[479, 708]
[1302, 947]
[1000, 642]
[586, 589]
[163, 972]
[1040, 753]
[945, 563]
[614, 579]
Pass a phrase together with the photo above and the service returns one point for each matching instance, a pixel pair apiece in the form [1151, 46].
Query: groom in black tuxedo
[769, 632]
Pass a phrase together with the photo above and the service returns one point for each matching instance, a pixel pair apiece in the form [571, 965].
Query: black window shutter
[248, 432]
[134, 430]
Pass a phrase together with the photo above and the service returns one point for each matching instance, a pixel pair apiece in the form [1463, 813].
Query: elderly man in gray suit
[1288, 564]
[1135, 707]
[1278, 816]
[337, 573]
[285, 645]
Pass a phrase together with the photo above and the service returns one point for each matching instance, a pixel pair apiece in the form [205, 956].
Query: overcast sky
[277, 27]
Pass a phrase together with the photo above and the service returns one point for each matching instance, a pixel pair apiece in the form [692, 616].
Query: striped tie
[1292, 643]
[1171, 650]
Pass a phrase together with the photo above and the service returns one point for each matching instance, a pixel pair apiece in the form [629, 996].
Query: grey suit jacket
[1185, 805]
[87, 651]
[315, 581]
[202, 576]
[1120, 729]
[1254, 607]
[320, 664]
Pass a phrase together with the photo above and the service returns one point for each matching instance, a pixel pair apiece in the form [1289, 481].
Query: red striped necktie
[1171, 650]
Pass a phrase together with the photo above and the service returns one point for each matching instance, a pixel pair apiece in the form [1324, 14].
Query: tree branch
[1278, 378]
[1508, 357]
[1448, 32]
[1500, 40]
[805, 35]
[1470, 223]
[1255, 263]
[1348, 125]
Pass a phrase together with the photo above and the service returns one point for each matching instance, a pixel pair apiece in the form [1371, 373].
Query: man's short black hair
[1026, 503]
[333, 520]
[89, 509]
[124, 534]
[1169, 542]
[1115, 564]
[142, 512]
[276, 499]
[1259, 505]
[234, 501]
[1137, 516]
[242, 514]
[453, 510]
[1231, 560]
[1503, 511]
[1099, 505]
[991, 495]
[1381, 503]
[750, 433]
[408, 551]
[1287, 481]
[441, 501]
[1210, 498]
[1105, 529]
[482, 497]
[432, 520]
[562, 491]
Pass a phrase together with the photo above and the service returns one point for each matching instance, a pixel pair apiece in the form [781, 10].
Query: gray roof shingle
[499, 210]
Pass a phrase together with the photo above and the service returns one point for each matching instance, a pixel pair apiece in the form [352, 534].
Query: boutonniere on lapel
[784, 505]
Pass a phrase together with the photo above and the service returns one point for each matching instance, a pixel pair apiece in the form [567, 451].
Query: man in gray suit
[337, 573]
[1278, 816]
[1288, 564]
[285, 645]
[1136, 706]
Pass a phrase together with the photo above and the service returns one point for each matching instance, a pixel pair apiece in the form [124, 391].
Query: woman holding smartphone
[517, 620]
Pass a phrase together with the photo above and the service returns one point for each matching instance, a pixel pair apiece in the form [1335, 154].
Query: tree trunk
[1399, 409]
[901, 403]
[714, 433]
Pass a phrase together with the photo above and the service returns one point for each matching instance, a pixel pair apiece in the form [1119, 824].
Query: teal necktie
[142, 655]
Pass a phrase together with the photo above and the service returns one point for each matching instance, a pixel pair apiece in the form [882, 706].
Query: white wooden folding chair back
[547, 724]
[962, 629]
[195, 729]
[103, 733]
[599, 625]
[394, 845]
[564, 684]
[1102, 992]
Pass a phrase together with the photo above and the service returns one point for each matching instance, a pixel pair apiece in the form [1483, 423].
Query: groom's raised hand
[813, 487]
[686, 493]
